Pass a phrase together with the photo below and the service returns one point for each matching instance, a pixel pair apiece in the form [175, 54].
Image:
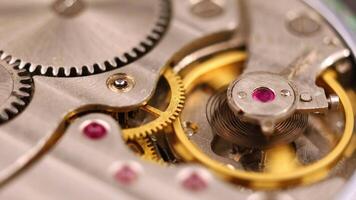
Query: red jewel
[95, 130]
[194, 182]
[263, 95]
[126, 175]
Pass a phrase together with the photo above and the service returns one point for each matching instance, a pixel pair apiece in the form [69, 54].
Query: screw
[207, 8]
[242, 95]
[194, 179]
[126, 173]
[286, 93]
[306, 97]
[120, 82]
[190, 128]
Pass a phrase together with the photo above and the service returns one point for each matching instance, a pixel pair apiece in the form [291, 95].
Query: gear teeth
[4, 116]
[146, 45]
[21, 91]
[149, 149]
[168, 116]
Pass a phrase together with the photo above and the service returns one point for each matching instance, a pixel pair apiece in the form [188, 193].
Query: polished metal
[120, 82]
[64, 39]
[265, 113]
[80, 37]
[56, 98]
[305, 56]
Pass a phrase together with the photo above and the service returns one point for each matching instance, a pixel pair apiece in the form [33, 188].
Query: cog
[15, 89]
[163, 118]
[275, 172]
[145, 148]
[80, 37]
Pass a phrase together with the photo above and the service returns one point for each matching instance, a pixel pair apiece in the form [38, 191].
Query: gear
[277, 166]
[15, 89]
[164, 118]
[145, 148]
[78, 37]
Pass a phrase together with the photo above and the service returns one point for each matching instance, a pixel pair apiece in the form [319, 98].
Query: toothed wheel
[80, 37]
[15, 90]
[145, 148]
[165, 117]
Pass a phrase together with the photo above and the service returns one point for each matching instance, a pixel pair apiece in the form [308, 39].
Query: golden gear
[145, 148]
[275, 176]
[164, 118]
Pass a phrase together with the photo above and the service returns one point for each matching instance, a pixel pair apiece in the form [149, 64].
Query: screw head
[95, 129]
[190, 128]
[306, 97]
[120, 82]
[242, 95]
[286, 93]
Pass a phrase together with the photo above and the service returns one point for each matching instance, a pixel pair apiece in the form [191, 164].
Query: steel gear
[164, 118]
[80, 37]
[15, 89]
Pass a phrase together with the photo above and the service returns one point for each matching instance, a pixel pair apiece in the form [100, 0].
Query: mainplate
[80, 37]
[171, 99]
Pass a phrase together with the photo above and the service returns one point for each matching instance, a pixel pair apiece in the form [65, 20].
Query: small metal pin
[306, 97]
[334, 102]
[267, 127]
[242, 95]
[286, 93]
[120, 82]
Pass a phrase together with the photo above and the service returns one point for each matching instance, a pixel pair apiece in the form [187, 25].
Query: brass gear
[145, 148]
[164, 118]
[274, 175]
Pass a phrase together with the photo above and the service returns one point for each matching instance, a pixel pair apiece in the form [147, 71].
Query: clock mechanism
[194, 99]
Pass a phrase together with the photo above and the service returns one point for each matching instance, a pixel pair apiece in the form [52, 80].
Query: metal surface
[299, 65]
[83, 168]
[57, 98]
[126, 47]
[80, 38]
[165, 117]
[281, 165]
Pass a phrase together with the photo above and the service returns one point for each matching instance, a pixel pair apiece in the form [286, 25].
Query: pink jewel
[126, 175]
[194, 182]
[95, 130]
[263, 94]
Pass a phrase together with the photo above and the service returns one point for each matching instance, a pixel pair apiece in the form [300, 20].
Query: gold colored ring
[303, 175]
